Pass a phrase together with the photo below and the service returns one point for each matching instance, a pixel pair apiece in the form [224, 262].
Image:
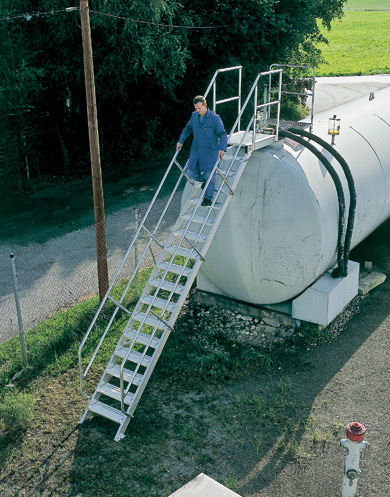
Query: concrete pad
[203, 486]
[370, 281]
[327, 297]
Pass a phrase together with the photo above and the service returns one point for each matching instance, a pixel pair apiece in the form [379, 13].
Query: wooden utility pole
[97, 185]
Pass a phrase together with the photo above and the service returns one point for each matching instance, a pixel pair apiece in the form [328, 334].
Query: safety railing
[310, 94]
[213, 85]
[152, 237]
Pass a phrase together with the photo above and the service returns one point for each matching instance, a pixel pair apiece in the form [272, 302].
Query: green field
[359, 43]
[367, 5]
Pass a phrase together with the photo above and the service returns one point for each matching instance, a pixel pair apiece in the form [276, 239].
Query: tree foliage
[150, 58]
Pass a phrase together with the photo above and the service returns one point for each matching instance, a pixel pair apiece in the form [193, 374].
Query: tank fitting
[354, 444]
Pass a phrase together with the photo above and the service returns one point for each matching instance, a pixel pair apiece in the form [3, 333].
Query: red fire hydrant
[354, 444]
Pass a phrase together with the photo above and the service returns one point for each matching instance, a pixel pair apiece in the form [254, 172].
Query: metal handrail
[253, 89]
[312, 94]
[213, 84]
[135, 238]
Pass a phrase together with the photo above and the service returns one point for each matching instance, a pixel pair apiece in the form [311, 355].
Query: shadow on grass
[215, 415]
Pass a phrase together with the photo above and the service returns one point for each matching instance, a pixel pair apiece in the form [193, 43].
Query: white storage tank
[279, 233]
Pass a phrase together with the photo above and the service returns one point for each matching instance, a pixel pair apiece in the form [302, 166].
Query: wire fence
[60, 273]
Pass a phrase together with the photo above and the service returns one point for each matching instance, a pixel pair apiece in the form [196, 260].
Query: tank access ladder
[150, 322]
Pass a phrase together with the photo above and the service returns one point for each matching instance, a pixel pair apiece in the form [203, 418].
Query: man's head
[200, 105]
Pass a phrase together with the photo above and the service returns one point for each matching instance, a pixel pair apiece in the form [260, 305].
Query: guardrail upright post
[354, 444]
[18, 308]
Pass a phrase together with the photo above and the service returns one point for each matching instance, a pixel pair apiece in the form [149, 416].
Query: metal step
[289, 124]
[261, 140]
[166, 285]
[191, 235]
[107, 412]
[156, 302]
[150, 320]
[217, 205]
[171, 249]
[230, 157]
[198, 219]
[134, 356]
[128, 375]
[174, 268]
[114, 393]
[140, 337]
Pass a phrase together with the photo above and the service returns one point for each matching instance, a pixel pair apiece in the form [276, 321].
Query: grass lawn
[358, 44]
[367, 5]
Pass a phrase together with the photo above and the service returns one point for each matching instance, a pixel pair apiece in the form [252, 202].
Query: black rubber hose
[351, 186]
[339, 271]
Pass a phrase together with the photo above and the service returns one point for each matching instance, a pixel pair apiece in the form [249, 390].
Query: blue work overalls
[208, 138]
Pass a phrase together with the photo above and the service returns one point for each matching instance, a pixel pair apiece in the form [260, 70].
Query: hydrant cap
[355, 432]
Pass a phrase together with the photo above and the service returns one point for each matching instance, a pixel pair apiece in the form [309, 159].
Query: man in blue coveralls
[208, 144]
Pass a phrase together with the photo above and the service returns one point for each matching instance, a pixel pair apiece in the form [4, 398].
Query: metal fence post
[18, 308]
[136, 252]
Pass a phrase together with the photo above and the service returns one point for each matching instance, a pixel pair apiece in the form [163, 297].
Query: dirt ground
[349, 382]
[336, 383]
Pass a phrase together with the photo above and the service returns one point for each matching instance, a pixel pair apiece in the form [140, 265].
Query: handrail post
[279, 100]
[254, 116]
[239, 95]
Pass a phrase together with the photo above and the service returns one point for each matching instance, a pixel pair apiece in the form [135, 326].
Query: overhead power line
[157, 23]
[28, 17]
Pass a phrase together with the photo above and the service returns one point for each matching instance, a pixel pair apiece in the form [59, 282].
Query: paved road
[59, 273]
[333, 91]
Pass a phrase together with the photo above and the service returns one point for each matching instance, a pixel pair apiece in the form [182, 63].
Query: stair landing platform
[261, 140]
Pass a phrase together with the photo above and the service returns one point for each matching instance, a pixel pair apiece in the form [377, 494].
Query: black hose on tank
[339, 271]
[351, 187]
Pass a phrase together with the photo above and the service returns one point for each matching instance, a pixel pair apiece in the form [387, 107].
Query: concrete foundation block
[327, 297]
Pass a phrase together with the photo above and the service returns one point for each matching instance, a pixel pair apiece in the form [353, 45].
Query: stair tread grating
[114, 392]
[107, 411]
[128, 375]
[140, 337]
[133, 356]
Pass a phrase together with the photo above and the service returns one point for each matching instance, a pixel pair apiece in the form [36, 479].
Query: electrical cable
[339, 271]
[156, 23]
[29, 16]
[351, 187]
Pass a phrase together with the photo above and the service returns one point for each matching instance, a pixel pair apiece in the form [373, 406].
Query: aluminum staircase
[150, 322]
